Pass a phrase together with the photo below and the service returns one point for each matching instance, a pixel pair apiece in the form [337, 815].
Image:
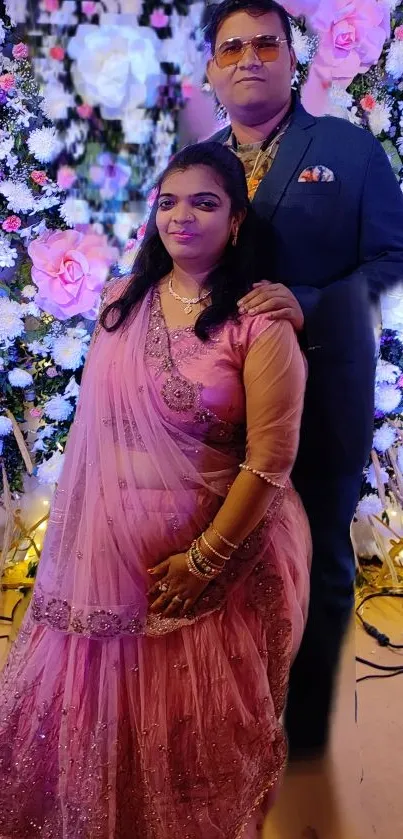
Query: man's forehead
[242, 24]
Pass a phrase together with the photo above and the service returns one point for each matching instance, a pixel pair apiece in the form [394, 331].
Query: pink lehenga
[120, 725]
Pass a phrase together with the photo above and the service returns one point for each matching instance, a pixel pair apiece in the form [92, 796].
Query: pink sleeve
[274, 379]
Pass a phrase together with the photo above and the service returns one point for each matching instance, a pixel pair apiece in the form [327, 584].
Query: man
[334, 241]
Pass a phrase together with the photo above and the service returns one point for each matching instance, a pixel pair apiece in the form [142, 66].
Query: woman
[151, 710]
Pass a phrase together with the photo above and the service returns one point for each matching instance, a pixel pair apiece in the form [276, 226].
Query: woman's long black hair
[237, 271]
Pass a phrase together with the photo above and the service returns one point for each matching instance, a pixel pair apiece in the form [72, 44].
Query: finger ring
[177, 599]
[163, 586]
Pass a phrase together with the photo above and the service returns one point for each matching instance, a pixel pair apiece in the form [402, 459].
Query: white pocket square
[316, 174]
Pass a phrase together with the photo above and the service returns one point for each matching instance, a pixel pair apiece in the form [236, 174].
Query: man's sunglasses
[265, 47]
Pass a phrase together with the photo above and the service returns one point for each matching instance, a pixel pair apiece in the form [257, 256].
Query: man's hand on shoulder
[274, 299]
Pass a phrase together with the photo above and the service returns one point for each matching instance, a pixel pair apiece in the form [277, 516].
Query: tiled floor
[357, 793]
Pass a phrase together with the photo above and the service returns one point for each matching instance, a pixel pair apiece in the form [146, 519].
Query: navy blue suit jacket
[336, 245]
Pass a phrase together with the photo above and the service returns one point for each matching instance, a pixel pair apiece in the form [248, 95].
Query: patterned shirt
[258, 163]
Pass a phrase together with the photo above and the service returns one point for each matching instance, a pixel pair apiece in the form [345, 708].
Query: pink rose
[51, 372]
[368, 102]
[352, 34]
[51, 5]
[159, 19]
[89, 8]
[7, 81]
[57, 53]
[399, 33]
[69, 268]
[84, 111]
[11, 224]
[20, 51]
[66, 177]
[39, 177]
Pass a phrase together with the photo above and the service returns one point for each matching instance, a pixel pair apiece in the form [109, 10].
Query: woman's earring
[235, 237]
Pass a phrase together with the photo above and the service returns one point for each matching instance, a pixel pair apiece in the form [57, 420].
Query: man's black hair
[216, 13]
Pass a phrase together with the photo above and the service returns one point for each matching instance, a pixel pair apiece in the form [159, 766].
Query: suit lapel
[291, 151]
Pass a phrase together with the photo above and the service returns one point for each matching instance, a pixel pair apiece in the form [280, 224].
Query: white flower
[75, 211]
[2, 32]
[387, 398]
[50, 470]
[8, 255]
[44, 144]
[115, 64]
[394, 61]
[31, 309]
[302, 45]
[371, 476]
[72, 389]
[400, 458]
[65, 16]
[56, 101]
[392, 309]
[370, 504]
[38, 348]
[68, 352]
[136, 126]
[19, 198]
[11, 323]
[29, 291]
[185, 47]
[387, 372]
[57, 408]
[384, 438]
[19, 378]
[379, 118]
[400, 145]
[6, 426]
[6, 144]
[126, 223]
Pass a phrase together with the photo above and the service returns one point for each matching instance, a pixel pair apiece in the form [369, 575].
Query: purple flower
[110, 174]
[3, 97]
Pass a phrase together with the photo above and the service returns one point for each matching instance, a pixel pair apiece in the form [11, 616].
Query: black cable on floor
[382, 639]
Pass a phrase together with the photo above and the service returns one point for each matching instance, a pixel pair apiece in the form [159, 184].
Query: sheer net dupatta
[130, 493]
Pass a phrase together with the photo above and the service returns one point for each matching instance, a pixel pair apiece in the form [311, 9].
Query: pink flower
[39, 177]
[130, 245]
[57, 53]
[51, 372]
[352, 34]
[84, 111]
[89, 8]
[51, 5]
[36, 413]
[159, 19]
[399, 33]
[20, 51]
[141, 232]
[7, 81]
[69, 268]
[11, 224]
[368, 102]
[66, 177]
[187, 89]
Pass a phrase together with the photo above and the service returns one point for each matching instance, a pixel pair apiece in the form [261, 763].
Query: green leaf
[396, 161]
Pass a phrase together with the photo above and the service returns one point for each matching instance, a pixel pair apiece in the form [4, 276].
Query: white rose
[6, 426]
[115, 63]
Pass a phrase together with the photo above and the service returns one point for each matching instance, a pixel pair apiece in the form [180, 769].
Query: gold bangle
[223, 539]
[205, 561]
[213, 550]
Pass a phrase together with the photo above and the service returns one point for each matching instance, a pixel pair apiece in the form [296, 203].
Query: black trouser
[330, 506]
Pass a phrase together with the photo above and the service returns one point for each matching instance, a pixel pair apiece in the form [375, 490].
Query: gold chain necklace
[187, 301]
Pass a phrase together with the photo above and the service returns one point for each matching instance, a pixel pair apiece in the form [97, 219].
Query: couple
[145, 694]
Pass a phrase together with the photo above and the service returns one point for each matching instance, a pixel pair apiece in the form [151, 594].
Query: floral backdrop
[93, 97]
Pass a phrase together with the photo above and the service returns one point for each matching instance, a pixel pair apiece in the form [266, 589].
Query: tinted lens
[266, 48]
[230, 52]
